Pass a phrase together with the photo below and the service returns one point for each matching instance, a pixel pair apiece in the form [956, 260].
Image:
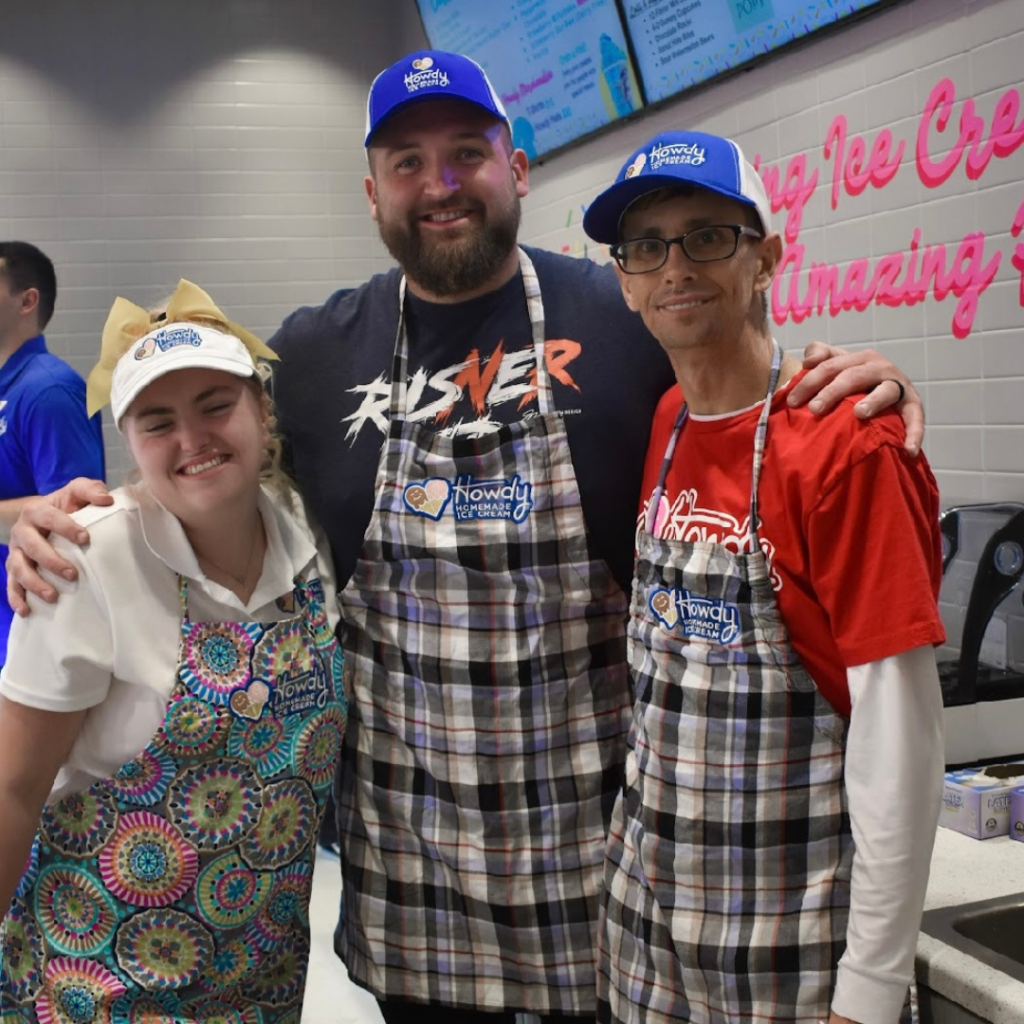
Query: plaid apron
[489, 715]
[730, 850]
[178, 889]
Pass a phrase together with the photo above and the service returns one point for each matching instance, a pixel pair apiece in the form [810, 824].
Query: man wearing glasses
[769, 853]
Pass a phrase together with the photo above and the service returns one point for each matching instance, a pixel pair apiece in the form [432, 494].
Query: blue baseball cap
[677, 158]
[429, 75]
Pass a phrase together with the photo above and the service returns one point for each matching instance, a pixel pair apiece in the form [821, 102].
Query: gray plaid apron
[730, 850]
[488, 718]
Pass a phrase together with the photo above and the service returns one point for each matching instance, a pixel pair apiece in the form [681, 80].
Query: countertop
[967, 870]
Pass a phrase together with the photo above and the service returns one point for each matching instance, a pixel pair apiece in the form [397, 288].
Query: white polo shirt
[110, 643]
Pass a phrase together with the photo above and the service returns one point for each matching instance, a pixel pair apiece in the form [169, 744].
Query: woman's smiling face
[198, 437]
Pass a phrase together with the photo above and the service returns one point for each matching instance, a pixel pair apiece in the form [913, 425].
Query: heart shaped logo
[249, 703]
[423, 63]
[428, 497]
[636, 166]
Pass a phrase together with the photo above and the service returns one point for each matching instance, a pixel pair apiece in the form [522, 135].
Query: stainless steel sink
[991, 931]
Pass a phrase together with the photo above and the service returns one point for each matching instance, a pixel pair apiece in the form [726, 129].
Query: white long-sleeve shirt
[894, 775]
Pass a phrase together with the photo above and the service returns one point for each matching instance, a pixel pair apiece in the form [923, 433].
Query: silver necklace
[240, 580]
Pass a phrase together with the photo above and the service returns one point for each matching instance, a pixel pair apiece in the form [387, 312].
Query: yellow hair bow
[126, 323]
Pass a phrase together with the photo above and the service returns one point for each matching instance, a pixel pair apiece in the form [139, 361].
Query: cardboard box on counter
[1017, 815]
[976, 801]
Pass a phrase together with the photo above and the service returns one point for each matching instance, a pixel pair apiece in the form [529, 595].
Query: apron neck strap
[535, 311]
[760, 438]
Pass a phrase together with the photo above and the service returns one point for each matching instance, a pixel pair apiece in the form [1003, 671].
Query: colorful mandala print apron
[178, 889]
[486, 647]
[730, 850]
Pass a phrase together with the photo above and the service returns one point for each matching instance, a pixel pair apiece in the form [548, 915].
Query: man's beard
[449, 267]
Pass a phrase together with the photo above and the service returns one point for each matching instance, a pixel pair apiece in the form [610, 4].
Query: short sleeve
[875, 557]
[60, 658]
[60, 440]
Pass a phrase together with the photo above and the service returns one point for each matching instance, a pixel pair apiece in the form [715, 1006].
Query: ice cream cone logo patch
[172, 337]
[145, 350]
[427, 497]
[425, 76]
[471, 498]
[636, 166]
[249, 703]
[697, 618]
[663, 607]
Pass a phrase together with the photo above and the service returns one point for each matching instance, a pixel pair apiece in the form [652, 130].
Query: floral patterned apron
[178, 889]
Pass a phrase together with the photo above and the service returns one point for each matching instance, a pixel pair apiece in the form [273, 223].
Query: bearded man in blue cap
[769, 853]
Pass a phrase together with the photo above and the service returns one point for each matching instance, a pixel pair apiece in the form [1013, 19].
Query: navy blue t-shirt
[46, 439]
[470, 363]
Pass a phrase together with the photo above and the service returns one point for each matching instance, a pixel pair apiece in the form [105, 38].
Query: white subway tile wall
[222, 142]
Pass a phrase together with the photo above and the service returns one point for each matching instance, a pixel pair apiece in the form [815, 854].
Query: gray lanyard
[760, 437]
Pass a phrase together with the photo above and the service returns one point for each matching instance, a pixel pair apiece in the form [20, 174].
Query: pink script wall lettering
[909, 276]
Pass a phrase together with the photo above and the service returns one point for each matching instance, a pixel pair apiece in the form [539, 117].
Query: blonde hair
[273, 475]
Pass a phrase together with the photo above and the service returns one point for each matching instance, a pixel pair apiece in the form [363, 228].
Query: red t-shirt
[849, 523]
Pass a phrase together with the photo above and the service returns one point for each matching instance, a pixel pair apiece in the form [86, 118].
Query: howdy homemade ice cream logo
[470, 498]
[700, 618]
[297, 694]
[424, 75]
[492, 499]
[677, 153]
[171, 338]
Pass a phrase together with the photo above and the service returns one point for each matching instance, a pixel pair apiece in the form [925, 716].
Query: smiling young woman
[174, 720]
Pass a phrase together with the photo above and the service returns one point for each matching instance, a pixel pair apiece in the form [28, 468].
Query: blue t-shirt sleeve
[60, 440]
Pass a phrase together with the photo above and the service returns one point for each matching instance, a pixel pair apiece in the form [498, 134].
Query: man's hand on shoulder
[833, 374]
[30, 547]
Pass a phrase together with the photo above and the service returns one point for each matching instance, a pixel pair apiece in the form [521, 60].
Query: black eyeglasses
[702, 245]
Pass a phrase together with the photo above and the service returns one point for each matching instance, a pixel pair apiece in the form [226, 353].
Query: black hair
[26, 267]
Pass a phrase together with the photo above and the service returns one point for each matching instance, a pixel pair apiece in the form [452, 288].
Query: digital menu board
[681, 43]
[561, 67]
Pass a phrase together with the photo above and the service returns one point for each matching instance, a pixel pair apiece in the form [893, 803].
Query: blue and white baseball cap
[677, 158]
[429, 75]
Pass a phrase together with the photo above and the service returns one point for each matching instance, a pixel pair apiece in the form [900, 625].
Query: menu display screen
[681, 43]
[564, 68]
[561, 67]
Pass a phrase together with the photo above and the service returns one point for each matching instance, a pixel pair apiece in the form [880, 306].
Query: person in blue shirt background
[46, 437]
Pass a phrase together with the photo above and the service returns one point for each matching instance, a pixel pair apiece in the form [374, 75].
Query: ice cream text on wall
[909, 276]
